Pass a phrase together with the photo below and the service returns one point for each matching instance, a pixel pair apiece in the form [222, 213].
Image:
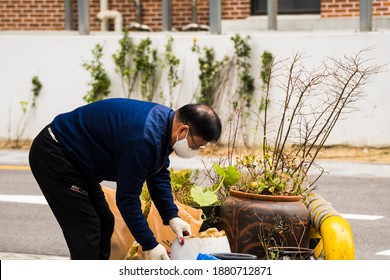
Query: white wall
[57, 58]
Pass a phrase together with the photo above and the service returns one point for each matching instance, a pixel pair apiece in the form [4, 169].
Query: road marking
[361, 217]
[14, 167]
[384, 253]
[32, 199]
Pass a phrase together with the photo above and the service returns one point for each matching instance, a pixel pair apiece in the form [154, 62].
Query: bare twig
[314, 102]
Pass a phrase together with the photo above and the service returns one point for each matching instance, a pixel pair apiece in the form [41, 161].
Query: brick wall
[235, 9]
[31, 15]
[50, 14]
[350, 8]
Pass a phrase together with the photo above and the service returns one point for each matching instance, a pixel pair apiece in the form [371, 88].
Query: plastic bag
[206, 257]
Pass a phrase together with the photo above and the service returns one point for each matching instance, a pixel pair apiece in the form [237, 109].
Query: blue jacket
[126, 141]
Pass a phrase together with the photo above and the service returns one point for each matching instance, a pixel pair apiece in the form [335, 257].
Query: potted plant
[266, 206]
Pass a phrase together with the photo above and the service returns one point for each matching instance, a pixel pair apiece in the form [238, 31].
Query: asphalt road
[30, 228]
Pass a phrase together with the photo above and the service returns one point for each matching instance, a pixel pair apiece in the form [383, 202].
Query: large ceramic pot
[255, 222]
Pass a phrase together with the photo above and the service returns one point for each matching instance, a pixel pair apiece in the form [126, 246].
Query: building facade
[50, 14]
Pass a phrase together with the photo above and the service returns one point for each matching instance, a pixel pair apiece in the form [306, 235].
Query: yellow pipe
[337, 239]
[316, 243]
[330, 232]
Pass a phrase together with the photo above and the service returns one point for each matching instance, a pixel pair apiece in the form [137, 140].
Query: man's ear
[179, 130]
[183, 129]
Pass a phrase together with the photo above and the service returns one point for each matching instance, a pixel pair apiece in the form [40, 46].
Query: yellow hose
[330, 234]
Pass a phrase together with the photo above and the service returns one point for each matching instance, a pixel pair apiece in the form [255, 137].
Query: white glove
[157, 253]
[180, 228]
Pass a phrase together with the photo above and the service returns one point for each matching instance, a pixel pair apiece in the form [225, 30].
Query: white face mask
[182, 149]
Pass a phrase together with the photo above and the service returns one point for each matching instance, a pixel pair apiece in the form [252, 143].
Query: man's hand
[180, 228]
[157, 253]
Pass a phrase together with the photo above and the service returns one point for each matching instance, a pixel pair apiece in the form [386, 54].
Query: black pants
[78, 204]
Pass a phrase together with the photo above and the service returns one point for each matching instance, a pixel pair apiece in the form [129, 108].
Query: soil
[330, 153]
[334, 153]
[356, 154]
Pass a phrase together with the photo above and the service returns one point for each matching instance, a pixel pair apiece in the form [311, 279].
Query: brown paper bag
[122, 240]
[164, 234]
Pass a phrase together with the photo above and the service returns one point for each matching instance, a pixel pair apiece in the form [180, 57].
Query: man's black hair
[202, 120]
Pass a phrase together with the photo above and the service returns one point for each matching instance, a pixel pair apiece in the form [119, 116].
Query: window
[259, 7]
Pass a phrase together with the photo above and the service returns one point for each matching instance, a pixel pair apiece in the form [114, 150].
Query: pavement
[19, 159]
[17, 256]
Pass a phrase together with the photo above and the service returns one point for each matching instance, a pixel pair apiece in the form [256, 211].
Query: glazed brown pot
[254, 222]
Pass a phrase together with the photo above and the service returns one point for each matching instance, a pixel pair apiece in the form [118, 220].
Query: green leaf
[230, 174]
[24, 105]
[203, 197]
[220, 171]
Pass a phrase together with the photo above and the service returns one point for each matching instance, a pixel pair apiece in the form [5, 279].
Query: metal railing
[83, 16]
[272, 12]
[167, 15]
[215, 15]
[365, 15]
